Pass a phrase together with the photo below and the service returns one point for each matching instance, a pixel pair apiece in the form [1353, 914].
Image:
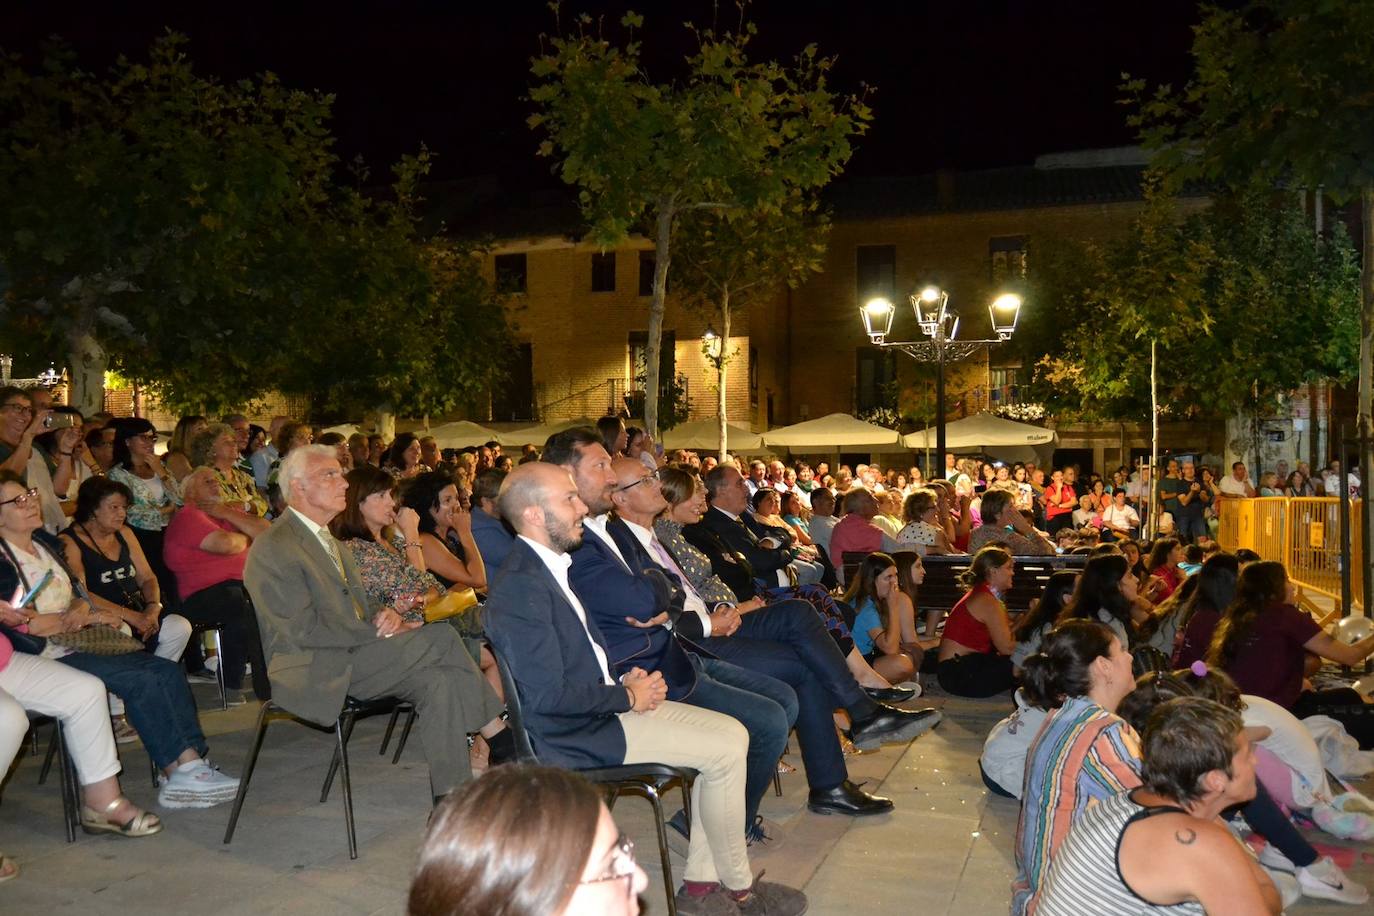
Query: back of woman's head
[862, 587]
[984, 562]
[1214, 587]
[1212, 684]
[1056, 593]
[1159, 553]
[918, 504]
[1150, 690]
[1063, 666]
[1259, 586]
[1099, 589]
[513, 842]
[363, 482]
[421, 493]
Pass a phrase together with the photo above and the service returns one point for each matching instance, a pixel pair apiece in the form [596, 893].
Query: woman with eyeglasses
[526, 841]
[50, 470]
[156, 494]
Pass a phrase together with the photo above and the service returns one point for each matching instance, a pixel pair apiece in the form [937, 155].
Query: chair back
[515, 716]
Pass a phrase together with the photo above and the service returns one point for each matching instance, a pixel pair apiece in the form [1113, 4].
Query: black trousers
[228, 605]
[975, 675]
[1345, 706]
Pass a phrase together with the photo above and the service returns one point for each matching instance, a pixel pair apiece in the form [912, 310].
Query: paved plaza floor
[946, 849]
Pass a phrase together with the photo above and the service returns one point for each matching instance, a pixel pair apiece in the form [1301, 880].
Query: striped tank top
[1085, 877]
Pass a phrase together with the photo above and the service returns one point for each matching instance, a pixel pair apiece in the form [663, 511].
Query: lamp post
[941, 325]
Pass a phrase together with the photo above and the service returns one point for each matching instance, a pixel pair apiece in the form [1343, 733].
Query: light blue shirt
[866, 619]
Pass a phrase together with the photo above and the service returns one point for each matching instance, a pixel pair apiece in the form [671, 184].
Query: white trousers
[77, 699]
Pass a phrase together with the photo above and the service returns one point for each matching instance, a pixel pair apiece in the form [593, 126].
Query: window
[511, 273]
[603, 272]
[1007, 257]
[1003, 384]
[639, 363]
[514, 399]
[875, 379]
[876, 270]
[646, 273]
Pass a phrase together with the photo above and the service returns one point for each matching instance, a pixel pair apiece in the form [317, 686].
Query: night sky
[958, 84]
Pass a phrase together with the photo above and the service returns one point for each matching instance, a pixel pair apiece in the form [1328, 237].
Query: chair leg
[664, 861]
[248, 771]
[152, 769]
[777, 781]
[390, 727]
[52, 751]
[405, 736]
[345, 723]
[71, 797]
[687, 802]
[342, 731]
[219, 669]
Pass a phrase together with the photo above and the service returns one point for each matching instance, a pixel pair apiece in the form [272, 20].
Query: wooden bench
[941, 589]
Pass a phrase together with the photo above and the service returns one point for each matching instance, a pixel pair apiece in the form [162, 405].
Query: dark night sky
[959, 84]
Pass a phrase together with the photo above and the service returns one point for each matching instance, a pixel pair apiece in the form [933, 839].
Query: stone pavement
[946, 849]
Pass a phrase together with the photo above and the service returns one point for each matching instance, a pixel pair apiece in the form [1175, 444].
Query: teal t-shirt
[866, 619]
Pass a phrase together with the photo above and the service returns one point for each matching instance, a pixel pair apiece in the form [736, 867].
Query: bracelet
[410, 544]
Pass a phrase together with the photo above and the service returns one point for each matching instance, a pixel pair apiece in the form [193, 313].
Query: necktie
[331, 547]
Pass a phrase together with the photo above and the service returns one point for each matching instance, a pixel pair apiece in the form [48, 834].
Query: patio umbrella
[835, 431]
[537, 435]
[992, 435]
[704, 435]
[461, 434]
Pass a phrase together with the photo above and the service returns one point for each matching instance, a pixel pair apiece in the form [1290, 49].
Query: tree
[1282, 92]
[731, 258]
[732, 135]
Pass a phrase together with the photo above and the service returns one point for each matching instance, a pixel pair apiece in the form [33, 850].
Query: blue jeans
[156, 699]
[1191, 526]
[787, 641]
[765, 706]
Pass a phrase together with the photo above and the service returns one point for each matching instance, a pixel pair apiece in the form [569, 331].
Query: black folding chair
[66, 769]
[353, 710]
[648, 780]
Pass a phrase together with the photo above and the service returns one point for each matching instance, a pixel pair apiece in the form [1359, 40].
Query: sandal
[7, 863]
[141, 824]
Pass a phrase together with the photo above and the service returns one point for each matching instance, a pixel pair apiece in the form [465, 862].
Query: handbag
[97, 639]
[24, 642]
[450, 604]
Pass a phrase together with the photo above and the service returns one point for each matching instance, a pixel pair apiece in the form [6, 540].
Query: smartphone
[22, 599]
[60, 420]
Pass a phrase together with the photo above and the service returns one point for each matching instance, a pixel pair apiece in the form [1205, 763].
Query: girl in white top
[922, 533]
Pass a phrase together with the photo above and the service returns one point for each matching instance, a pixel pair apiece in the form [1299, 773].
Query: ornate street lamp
[877, 314]
[49, 377]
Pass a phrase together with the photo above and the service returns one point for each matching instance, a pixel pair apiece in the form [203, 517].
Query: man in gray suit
[324, 642]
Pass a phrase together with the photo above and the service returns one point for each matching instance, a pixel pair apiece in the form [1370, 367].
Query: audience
[1006, 527]
[922, 532]
[216, 448]
[450, 553]
[178, 456]
[22, 453]
[489, 532]
[1107, 593]
[402, 459]
[885, 619]
[856, 533]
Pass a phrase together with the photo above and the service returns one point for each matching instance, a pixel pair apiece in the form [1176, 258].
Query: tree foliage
[733, 134]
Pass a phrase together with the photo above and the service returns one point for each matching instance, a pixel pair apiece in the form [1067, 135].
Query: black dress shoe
[847, 798]
[891, 725]
[890, 694]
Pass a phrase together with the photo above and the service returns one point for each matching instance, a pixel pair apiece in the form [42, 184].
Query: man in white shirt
[1119, 518]
[758, 477]
[1237, 485]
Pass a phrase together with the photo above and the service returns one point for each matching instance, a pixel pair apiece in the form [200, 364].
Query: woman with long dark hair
[403, 458]
[1165, 556]
[1263, 641]
[445, 531]
[1082, 753]
[1200, 612]
[878, 622]
[977, 644]
[1044, 611]
[1107, 594]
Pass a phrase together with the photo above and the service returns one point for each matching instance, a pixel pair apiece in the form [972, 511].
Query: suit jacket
[736, 574]
[611, 591]
[738, 538]
[685, 624]
[492, 537]
[570, 712]
[308, 617]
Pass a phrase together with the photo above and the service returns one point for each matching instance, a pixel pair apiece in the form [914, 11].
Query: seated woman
[1032, 626]
[445, 526]
[1082, 753]
[923, 533]
[1263, 641]
[216, 447]
[386, 545]
[156, 697]
[526, 841]
[977, 644]
[402, 459]
[178, 457]
[155, 492]
[879, 621]
[1107, 594]
[206, 548]
[1200, 612]
[796, 516]
[106, 559]
[764, 506]
[1163, 566]
[77, 700]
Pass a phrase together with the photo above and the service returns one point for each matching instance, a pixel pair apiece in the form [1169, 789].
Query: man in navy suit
[631, 607]
[578, 715]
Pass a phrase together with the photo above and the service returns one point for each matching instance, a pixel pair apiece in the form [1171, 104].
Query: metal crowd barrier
[1302, 533]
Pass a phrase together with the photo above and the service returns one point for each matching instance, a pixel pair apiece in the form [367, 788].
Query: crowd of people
[669, 608]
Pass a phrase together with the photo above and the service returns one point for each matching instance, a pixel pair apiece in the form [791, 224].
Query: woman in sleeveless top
[975, 652]
[443, 520]
[107, 558]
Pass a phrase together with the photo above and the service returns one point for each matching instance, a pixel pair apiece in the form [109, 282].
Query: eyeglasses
[652, 475]
[22, 499]
[624, 859]
[18, 408]
[151, 437]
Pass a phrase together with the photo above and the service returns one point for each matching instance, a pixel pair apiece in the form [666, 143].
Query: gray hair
[854, 498]
[293, 467]
[202, 447]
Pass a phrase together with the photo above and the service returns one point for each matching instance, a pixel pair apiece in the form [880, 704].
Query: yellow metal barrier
[1301, 533]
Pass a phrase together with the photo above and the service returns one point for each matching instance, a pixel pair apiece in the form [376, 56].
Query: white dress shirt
[558, 564]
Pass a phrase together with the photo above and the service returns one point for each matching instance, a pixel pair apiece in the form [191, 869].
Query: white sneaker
[197, 785]
[1324, 879]
[1290, 892]
[1272, 859]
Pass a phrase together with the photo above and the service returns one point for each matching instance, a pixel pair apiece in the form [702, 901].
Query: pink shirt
[6, 650]
[855, 534]
[194, 568]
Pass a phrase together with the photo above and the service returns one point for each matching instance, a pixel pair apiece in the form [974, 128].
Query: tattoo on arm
[1186, 837]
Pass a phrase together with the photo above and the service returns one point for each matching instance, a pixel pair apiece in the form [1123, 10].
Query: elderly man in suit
[580, 715]
[324, 641]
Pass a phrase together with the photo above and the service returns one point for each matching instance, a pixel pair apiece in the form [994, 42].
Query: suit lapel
[310, 545]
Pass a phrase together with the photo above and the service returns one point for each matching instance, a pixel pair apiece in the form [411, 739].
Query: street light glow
[877, 315]
[1004, 311]
[930, 294]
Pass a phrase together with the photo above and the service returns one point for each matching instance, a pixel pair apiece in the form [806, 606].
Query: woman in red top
[1263, 641]
[1165, 576]
[975, 651]
[1060, 501]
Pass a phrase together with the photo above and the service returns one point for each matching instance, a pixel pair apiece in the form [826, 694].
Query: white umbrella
[344, 429]
[461, 434]
[537, 435]
[835, 431]
[704, 435]
[990, 434]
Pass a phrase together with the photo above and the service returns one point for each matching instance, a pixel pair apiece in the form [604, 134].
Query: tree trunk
[385, 422]
[1153, 525]
[722, 418]
[662, 239]
[87, 363]
[1364, 419]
